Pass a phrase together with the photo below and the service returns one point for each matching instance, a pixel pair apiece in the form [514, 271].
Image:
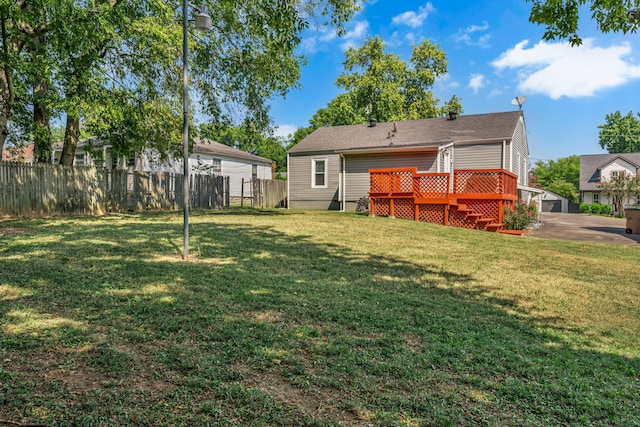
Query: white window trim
[326, 172]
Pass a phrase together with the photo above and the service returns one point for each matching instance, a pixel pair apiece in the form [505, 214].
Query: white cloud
[316, 42]
[476, 82]
[414, 19]
[557, 69]
[446, 82]
[467, 35]
[355, 35]
[323, 36]
[285, 130]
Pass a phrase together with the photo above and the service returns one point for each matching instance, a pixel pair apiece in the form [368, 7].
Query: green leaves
[561, 17]
[620, 134]
[381, 85]
[562, 176]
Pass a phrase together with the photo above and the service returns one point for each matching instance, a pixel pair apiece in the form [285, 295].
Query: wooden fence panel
[46, 190]
[268, 193]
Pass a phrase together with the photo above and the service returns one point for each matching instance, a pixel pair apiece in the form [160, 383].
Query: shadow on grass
[101, 324]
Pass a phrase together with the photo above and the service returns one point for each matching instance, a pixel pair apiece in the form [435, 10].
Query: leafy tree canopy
[381, 85]
[620, 134]
[561, 17]
[113, 66]
[561, 176]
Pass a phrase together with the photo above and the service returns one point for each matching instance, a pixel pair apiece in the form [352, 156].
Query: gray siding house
[596, 168]
[329, 169]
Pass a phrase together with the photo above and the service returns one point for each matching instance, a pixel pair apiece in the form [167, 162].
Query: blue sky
[494, 55]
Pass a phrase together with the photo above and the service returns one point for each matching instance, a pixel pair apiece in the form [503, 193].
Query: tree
[380, 85]
[561, 17]
[561, 176]
[98, 53]
[620, 134]
[620, 188]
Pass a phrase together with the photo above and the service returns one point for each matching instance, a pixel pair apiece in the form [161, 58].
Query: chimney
[453, 115]
[395, 127]
[372, 122]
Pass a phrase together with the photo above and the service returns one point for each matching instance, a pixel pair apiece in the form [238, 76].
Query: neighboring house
[208, 157]
[22, 154]
[596, 168]
[329, 169]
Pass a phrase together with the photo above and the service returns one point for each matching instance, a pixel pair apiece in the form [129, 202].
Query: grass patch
[290, 318]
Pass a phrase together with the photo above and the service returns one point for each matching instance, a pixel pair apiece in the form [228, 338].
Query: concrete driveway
[584, 228]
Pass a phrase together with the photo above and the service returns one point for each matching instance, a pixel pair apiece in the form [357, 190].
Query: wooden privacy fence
[49, 190]
[269, 193]
[475, 199]
[266, 193]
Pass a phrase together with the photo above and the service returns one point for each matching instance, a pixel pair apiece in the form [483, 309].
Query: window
[596, 197]
[79, 159]
[319, 173]
[216, 166]
[254, 171]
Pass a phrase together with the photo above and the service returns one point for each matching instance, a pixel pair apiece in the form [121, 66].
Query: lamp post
[203, 23]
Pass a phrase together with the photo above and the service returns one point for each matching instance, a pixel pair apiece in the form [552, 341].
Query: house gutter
[397, 149]
[343, 183]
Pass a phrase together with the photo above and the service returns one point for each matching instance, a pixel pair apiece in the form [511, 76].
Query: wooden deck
[475, 198]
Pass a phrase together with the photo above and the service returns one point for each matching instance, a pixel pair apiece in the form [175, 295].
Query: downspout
[441, 148]
[343, 183]
[288, 184]
[504, 154]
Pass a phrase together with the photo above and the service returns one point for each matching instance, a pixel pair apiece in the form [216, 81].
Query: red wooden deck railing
[477, 199]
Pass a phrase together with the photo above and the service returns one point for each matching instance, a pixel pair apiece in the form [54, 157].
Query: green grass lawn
[286, 318]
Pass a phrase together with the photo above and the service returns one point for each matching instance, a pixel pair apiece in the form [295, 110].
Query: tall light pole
[203, 23]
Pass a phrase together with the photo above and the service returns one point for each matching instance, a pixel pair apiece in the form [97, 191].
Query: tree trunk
[71, 137]
[42, 136]
[41, 118]
[6, 105]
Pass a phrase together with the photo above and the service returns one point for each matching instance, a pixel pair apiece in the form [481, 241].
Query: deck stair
[476, 220]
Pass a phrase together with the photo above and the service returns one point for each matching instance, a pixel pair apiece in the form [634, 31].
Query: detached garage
[552, 202]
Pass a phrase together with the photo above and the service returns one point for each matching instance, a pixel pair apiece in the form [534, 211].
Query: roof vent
[453, 115]
[372, 122]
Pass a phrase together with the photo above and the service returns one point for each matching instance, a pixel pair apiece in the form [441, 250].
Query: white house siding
[235, 169]
[238, 170]
[301, 194]
[478, 156]
[618, 165]
[357, 170]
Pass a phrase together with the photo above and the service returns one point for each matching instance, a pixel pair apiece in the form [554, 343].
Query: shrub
[596, 208]
[584, 208]
[518, 216]
[606, 209]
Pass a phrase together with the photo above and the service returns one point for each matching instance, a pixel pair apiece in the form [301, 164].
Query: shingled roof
[471, 128]
[201, 146]
[590, 165]
[206, 146]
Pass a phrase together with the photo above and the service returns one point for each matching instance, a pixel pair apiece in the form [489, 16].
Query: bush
[596, 208]
[606, 210]
[518, 216]
[584, 208]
